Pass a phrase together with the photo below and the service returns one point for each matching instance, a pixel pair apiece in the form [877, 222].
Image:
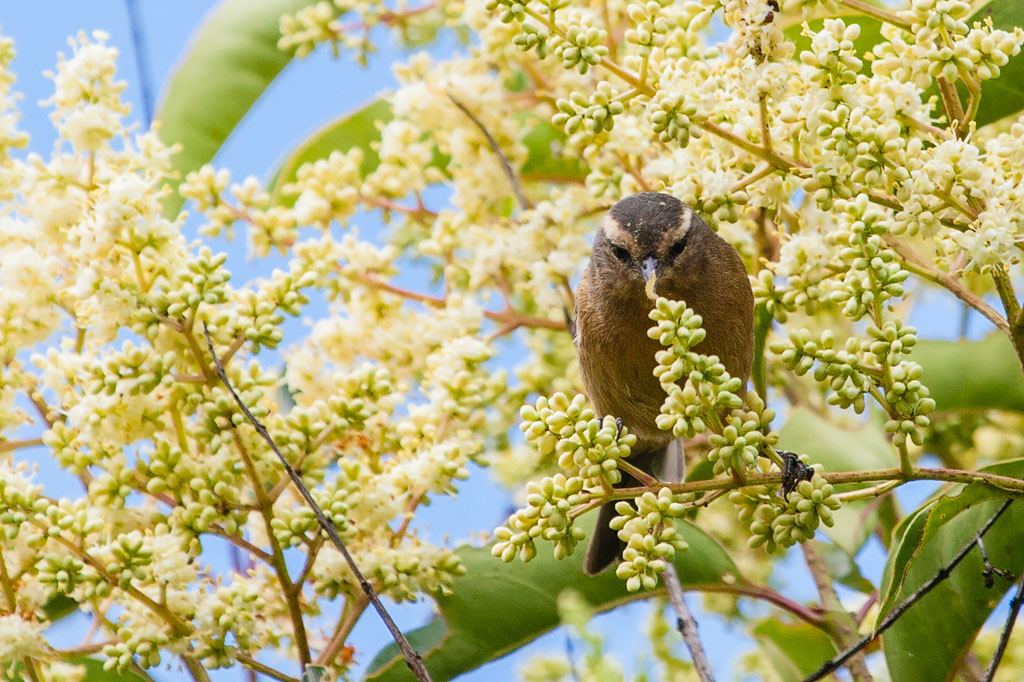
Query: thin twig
[1004, 638]
[412, 659]
[943, 573]
[524, 203]
[844, 628]
[926, 270]
[686, 624]
[141, 62]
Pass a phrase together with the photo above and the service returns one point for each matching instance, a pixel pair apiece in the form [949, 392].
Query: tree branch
[687, 624]
[412, 659]
[524, 203]
[1004, 638]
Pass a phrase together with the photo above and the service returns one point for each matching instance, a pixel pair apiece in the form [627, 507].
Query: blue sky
[305, 96]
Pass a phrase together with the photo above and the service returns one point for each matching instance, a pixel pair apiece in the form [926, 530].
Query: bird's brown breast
[617, 358]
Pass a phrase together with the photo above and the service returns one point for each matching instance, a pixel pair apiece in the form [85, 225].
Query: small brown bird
[645, 236]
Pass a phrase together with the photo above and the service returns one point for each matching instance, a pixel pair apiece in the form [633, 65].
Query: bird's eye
[621, 253]
[677, 249]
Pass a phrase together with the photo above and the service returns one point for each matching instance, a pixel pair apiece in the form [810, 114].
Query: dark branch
[1004, 638]
[900, 609]
[687, 624]
[513, 180]
[412, 659]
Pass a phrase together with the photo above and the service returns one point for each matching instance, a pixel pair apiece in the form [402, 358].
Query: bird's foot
[618, 427]
[793, 472]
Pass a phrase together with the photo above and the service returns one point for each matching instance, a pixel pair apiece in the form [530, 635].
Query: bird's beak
[649, 269]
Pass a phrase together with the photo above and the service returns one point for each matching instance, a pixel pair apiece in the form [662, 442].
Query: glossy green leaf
[870, 33]
[839, 449]
[545, 158]
[231, 60]
[355, 129]
[920, 529]
[758, 374]
[843, 568]
[59, 607]
[926, 643]
[970, 375]
[795, 649]
[1003, 96]
[496, 607]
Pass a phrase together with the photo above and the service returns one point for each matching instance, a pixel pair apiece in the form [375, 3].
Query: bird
[653, 241]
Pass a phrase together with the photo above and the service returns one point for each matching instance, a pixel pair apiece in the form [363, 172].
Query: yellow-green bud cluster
[875, 274]
[582, 47]
[203, 281]
[833, 55]
[891, 341]
[737, 446]
[842, 368]
[595, 114]
[672, 117]
[131, 559]
[649, 26]
[132, 370]
[809, 506]
[985, 50]
[533, 38]
[651, 537]
[230, 619]
[511, 10]
[586, 447]
[258, 314]
[776, 522]
[546, 517]
[908, 403]
[594, 450]
[134, 649]
[707, 391]
[60, 574]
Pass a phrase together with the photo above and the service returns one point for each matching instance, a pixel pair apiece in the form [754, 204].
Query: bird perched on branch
[653, 243]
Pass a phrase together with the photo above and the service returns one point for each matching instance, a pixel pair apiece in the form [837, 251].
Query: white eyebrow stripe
[685, 219]
[615, 233]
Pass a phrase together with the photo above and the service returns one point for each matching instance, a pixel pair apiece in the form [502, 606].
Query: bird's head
[645, 239]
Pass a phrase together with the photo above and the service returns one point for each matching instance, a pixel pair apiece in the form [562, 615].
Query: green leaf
[929, 521]
[496, 607]
[355, 129]
[839, 449]
[59, 607]
[971, 375]
[232, 59]
[1003, 96]
[928, 641]
[870, 33]
[842, 566]
[762, 325]
[795, 649]
[545, 159]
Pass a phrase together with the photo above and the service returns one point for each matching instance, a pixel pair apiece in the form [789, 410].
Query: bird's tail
[668, 464]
